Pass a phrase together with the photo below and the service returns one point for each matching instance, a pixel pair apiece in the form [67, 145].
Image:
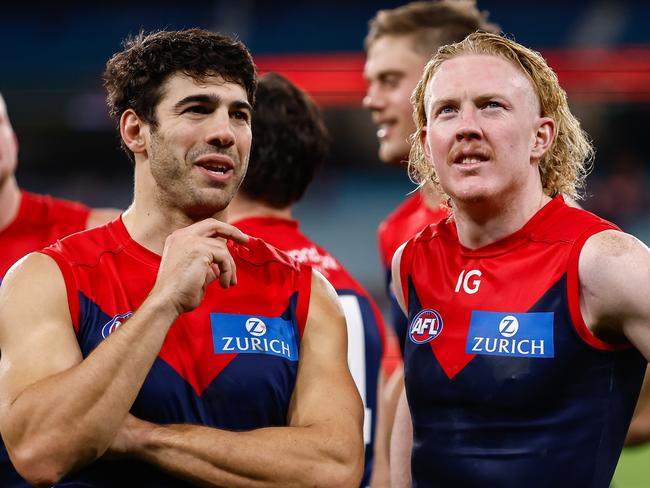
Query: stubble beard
[176, 189]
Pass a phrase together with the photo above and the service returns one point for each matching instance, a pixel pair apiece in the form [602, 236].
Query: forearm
[320, 455]
[70, 418]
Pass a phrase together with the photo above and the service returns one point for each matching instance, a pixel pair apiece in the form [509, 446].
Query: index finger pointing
[227, 231]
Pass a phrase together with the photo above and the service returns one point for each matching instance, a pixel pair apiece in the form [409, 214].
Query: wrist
[162, 305]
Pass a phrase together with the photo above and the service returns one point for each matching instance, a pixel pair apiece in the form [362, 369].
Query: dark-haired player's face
[482, 125]
[8, 145]
[393, 69]
[199, 151]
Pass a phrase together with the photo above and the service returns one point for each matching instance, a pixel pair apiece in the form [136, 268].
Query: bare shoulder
[324, 302]
[614, 271]
[612, 253]
[31, 268]
[33, 289]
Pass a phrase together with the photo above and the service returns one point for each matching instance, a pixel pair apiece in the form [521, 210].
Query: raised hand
[193, 257]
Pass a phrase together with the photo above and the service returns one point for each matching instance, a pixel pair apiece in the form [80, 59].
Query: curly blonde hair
[569, 159]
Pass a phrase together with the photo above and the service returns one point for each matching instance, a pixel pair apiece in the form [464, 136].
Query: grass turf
[633, 470]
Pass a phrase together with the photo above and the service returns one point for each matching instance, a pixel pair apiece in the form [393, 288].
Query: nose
[468, 127]
[220, 132]
[373, 99]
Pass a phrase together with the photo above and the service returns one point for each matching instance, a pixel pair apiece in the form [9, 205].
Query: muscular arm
[322, 444]
[614, 273]
[58, 411]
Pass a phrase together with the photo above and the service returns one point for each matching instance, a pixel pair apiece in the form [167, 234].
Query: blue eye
[493, 104]
[447, 109]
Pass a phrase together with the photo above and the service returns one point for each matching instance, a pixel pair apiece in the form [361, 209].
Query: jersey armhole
[304, 294]
[405, 271]
[70, 285]
[573, 292]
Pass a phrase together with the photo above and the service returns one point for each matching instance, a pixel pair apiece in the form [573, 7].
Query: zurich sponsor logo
[255, 327]
[508, 326]
[113, 324]
[425, 326]
[511, 334]
[235, 333]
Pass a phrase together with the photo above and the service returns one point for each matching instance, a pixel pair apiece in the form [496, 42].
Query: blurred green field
[633, 470]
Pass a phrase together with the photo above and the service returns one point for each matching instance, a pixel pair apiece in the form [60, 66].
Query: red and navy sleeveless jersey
[231, 363]
[40, 221]
[408, 219]
[365, 325]
[506, 384]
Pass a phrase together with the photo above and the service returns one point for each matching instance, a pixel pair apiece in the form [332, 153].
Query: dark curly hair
[134, 77]
[290, 142]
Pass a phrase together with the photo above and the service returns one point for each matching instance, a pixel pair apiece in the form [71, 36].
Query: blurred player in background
[168, 348]
[399, 43]
[290, 142]
[528, 319]
[29, 222]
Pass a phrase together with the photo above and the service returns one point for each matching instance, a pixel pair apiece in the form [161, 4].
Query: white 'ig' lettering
[468, 282]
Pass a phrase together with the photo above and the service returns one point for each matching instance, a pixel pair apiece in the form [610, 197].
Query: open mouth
[470, 159]
[217, 166]
[383, 128]
[216, 169]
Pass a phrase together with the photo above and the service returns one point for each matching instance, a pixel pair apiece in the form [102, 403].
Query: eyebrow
[444, 101]
[480, 98]
[213, 99]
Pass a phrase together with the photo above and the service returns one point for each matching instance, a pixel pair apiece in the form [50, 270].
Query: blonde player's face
[199, 151]
[8, 144]
[393, 69]
[482, 122]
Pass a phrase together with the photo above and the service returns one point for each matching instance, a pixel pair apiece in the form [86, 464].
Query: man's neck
[431, 197]
[9, 201]
[150, 219]
[242, 208]
[486, 222]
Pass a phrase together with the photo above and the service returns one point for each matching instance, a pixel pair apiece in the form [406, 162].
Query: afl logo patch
[113, 324]
[425, 326]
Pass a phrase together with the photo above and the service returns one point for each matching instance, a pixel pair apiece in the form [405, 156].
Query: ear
[133, 131]
[424, 144]
[544, 137]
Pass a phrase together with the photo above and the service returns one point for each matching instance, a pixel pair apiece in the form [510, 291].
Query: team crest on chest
[425, 326]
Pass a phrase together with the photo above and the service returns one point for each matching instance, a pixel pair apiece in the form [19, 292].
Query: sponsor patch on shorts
[511, 334]
[247, 334]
